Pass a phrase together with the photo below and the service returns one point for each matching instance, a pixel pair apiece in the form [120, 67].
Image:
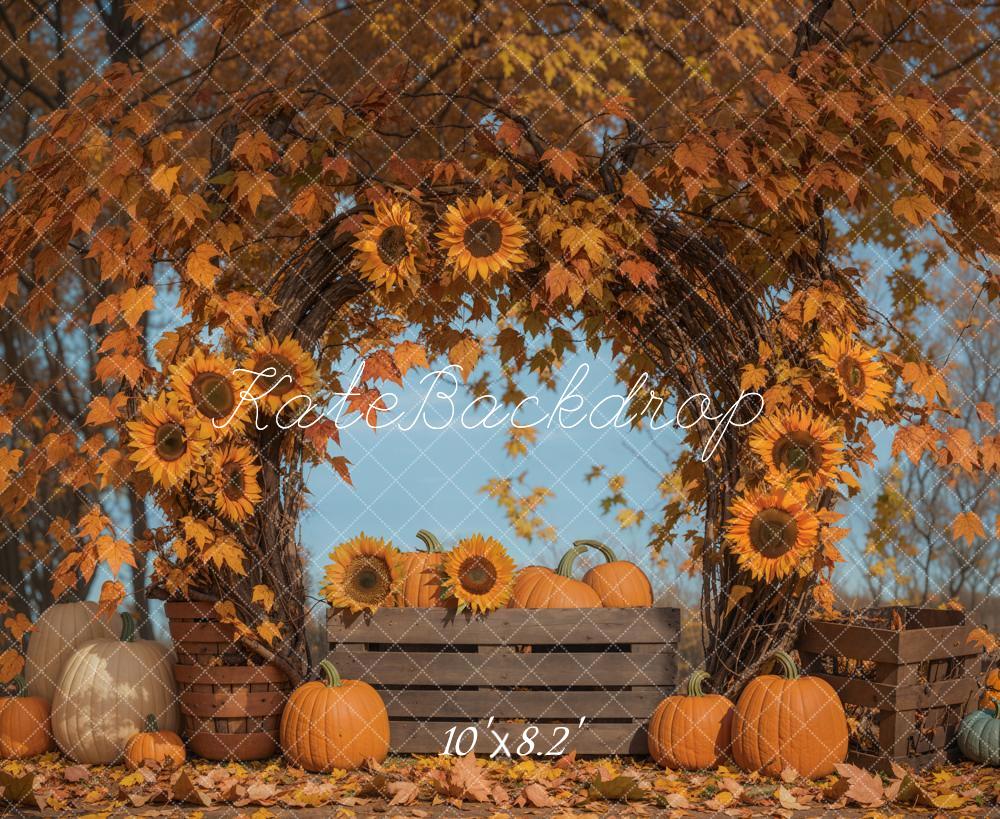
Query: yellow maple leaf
[164, 178]
[915, 209]
[112, 594]
[264, 595]
[967, 525]
[465, 355]
[269, 632]
[200, 269]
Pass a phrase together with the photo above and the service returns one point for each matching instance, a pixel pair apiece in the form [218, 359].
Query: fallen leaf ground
[440, 786]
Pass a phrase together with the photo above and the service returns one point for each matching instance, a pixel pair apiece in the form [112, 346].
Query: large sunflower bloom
[771, 532]
[798, 446]
[165, 442]
[364, 574]
[386, 246]
[860, 379]
[211, 387]
[482, 237]
[292, 372]
[478, 574]
[235, 486]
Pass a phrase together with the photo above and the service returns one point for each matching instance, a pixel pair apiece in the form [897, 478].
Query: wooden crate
[908, 675]
[436, 669]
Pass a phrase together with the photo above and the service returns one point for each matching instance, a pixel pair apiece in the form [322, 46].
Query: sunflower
[770, 532]
[798, 446]
[386, 246]
[235, 484]
[363, 575]
[478, 574]
[860, 379]
[211, 387]
[290, 371]
[482, 237]
[164, 441]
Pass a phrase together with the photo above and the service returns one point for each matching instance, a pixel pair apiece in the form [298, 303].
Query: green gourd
[979, 736]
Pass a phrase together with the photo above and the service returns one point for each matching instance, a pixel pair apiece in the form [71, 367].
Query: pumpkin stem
[694, 683]
[996, 709]
[604, 549]
[787, 665]
[149, 725]
[20, 685]
[128, 627]
[331, 677]
[565, 567]
[430, 541]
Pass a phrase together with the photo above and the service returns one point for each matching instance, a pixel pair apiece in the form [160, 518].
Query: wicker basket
[231, 709]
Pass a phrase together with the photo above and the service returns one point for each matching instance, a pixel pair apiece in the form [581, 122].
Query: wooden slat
[886, 645]
[240, 703]
[228, 675]
[599, 739]
[843, 639]
[555, 669]
[901, 698]
[919, 645]
[414, 626]
[257, 745]
[202, 632]
[637, 703]
[189, 611]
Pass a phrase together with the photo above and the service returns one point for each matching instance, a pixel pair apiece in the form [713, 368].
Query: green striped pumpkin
[979, 736]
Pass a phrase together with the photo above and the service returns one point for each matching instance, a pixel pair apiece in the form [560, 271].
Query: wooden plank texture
[910, 697]
[598, 739]
[413, 626]
[515, 669]
[638, 704]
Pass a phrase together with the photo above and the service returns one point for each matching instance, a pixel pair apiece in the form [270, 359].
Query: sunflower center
[773, 532]
[477, 575]
[391, 245]
[212, 395]
[169, 441]
[368, 579]
[798, 451]
[483, 238]
[233, 481]
[284, 371]
[852, 375]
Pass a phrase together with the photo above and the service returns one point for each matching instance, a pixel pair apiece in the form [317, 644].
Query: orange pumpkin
[619, 583]
[538, 587]
[164, 748]
[421, 574]
[789, 722]
[25, 726]
[991, 692]
[334, 723]
[692, 732]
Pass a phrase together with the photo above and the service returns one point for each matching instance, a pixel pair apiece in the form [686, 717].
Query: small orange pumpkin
[422, 574]
[538, 587]
[789, 722]
[25, 726]
[692, 732]
[164, 748]
[619, 583]
[334, 723]
[991, 692]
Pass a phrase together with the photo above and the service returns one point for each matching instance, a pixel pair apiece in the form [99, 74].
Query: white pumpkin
[60, 631]
[106, 691]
